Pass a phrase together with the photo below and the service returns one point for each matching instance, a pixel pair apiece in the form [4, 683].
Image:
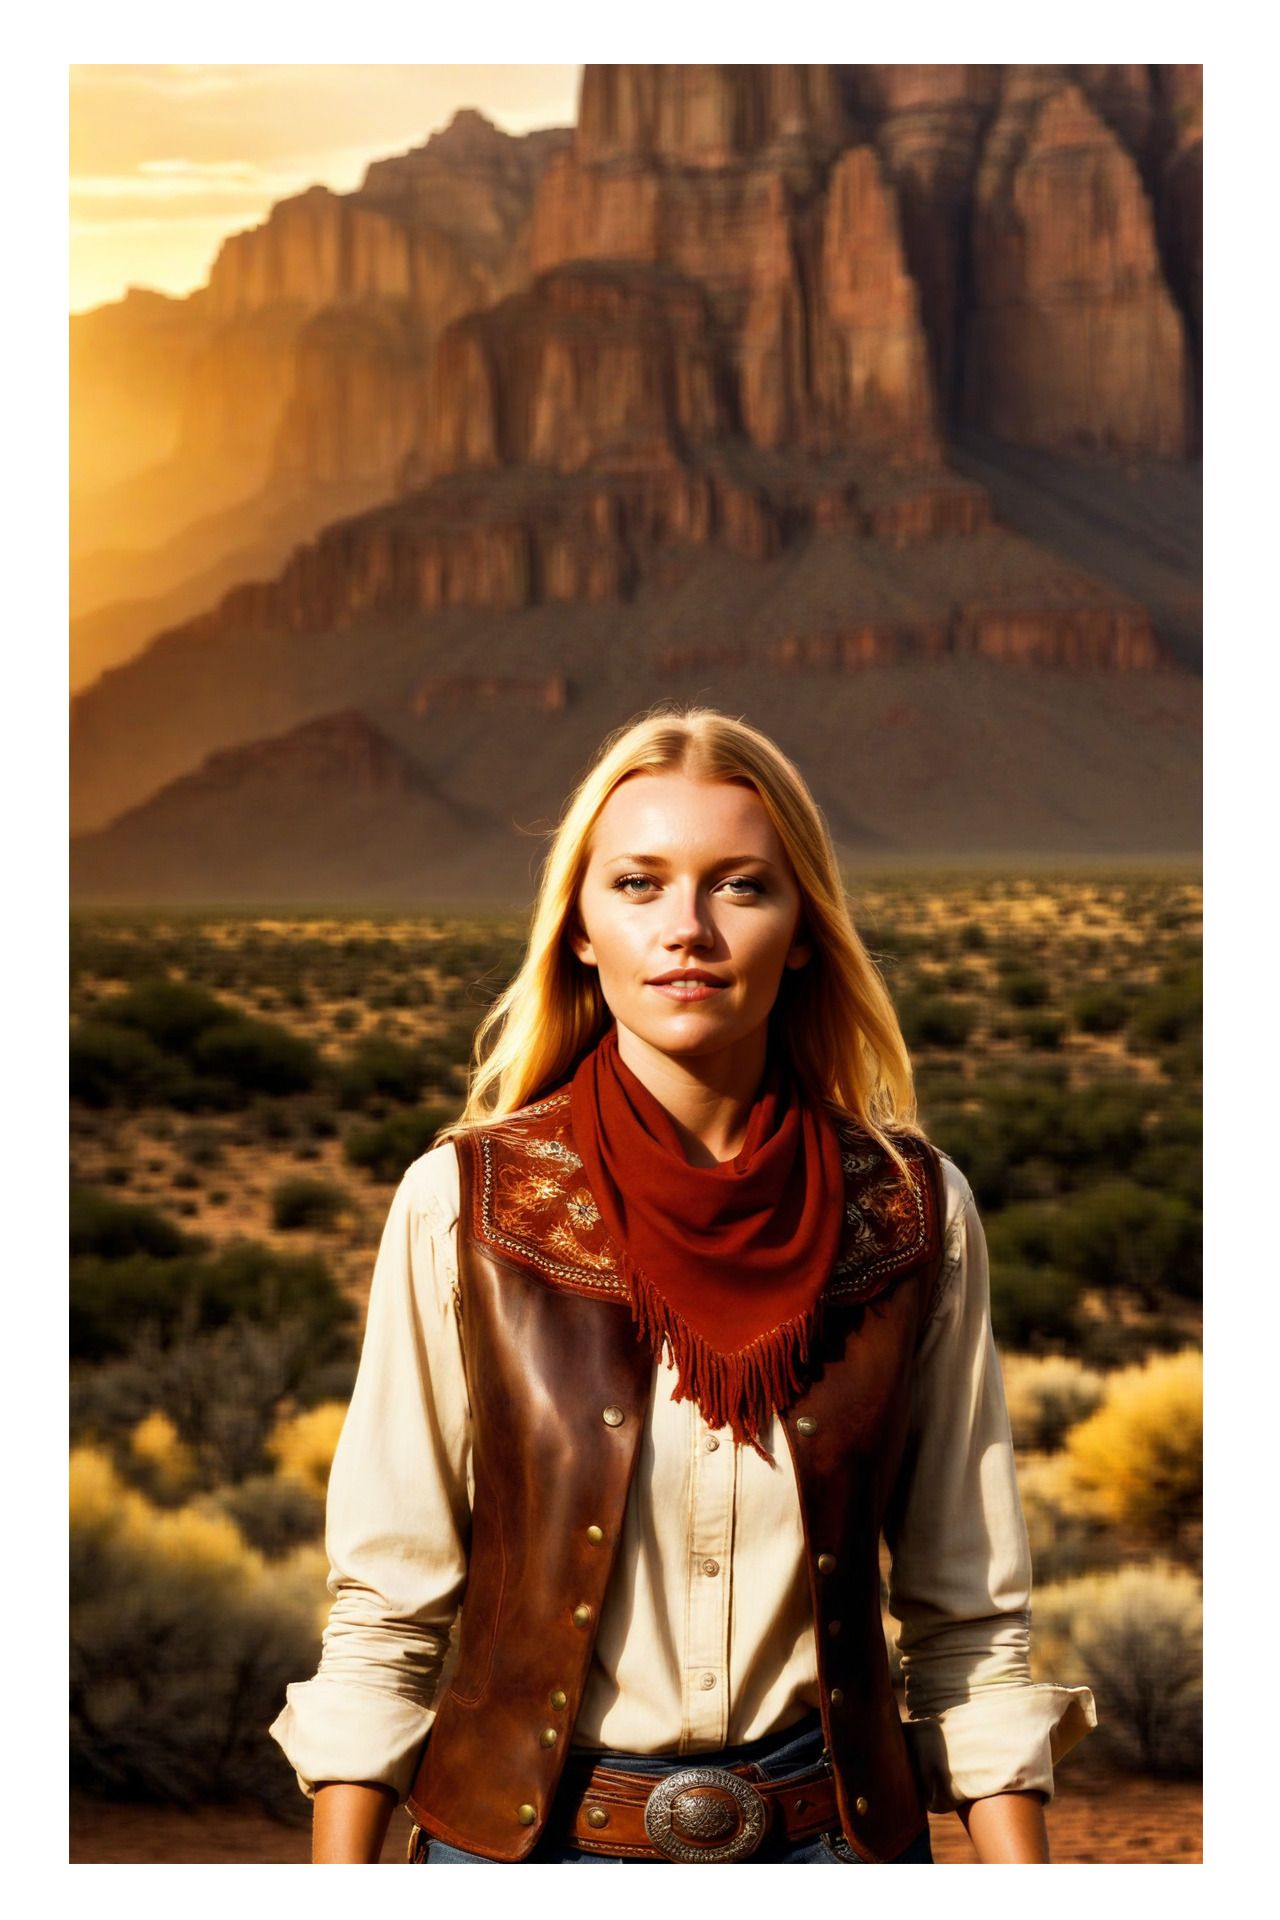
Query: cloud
[178, 183]
[200, 169]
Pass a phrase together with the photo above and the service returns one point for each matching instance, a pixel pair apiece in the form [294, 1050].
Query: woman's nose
[690, 921]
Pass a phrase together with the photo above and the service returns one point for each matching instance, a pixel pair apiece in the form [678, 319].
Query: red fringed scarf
[725, 1264]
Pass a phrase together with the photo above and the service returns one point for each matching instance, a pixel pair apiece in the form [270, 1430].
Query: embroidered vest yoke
[559, 1386]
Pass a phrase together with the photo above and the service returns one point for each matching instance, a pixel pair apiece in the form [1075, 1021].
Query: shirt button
[711, 1566]
[707, 1681]
[711, 1443]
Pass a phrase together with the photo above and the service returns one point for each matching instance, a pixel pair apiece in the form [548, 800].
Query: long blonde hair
[833, 1016]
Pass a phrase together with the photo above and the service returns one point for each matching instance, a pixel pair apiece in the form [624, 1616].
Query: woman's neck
[708, 1096]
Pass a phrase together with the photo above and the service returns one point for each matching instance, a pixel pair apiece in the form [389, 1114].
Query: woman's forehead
[668, 812]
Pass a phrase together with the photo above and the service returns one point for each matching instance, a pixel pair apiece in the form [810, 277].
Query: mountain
[862, 401]
[334, 802]
[284, 391]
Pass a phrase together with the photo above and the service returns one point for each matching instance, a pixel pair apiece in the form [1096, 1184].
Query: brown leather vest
[559, 1387]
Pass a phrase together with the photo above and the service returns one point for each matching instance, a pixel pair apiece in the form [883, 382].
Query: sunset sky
[168, 160]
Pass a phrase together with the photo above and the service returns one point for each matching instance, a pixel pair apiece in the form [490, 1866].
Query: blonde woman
[681, 1322]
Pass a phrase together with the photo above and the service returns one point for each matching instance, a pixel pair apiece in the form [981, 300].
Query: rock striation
[1075, 338]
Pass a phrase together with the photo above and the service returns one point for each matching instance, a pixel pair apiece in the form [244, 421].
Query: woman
[686, 1316]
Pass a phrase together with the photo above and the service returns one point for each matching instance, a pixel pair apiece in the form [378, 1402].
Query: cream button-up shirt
[706, 1635]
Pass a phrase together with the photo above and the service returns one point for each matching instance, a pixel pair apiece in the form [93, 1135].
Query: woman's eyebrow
[660, 860]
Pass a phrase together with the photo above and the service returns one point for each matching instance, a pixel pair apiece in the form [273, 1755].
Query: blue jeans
[778, 1757]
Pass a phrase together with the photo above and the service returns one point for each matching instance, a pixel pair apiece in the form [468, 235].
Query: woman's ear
[580, 944]
[800, 952]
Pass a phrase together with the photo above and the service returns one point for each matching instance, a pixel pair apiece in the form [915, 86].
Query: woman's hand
[349, 1823]
[1007, 1828]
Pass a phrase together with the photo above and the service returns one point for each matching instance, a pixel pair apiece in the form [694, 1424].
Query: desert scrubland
[246, 1092]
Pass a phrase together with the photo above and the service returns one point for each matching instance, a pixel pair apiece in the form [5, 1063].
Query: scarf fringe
[736, 1390]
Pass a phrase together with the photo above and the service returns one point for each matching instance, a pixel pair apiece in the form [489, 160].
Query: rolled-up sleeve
[960, 1585]
[398, 1508]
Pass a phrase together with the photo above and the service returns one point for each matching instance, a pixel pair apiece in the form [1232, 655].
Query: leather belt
[699, 1815]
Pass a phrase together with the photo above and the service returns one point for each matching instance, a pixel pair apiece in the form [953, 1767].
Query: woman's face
[689, 909]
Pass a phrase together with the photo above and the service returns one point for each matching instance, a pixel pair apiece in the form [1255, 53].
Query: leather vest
[559, 1388]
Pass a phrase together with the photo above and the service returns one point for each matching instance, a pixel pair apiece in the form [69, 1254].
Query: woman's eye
[741, 885]
[636, 884]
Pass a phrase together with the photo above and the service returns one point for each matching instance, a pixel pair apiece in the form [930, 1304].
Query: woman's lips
[692, 987]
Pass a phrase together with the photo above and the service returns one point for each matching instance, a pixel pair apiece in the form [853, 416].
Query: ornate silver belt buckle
[705, 1814]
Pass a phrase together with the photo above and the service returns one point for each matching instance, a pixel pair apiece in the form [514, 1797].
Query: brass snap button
[837, 1697]
[861, 1803]
[526, 1814]
[806, 1425]
[826, 1563]
[613, 1416]
[595, 1535]
[582, 1616]
[597, 1817]
[548, 1737]
[559, 1699]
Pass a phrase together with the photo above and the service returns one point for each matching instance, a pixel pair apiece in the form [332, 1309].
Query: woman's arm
[1007, 1829]
[350, 1823]
[396, 1530]
[983, 1735]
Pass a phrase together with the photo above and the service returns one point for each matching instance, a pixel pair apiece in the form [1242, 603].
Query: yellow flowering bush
[303, 1444]
[169, 1464]
[1137, 1461]
[183, 1640]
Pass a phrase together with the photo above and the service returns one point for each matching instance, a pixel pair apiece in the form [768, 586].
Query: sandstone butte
[735, 309]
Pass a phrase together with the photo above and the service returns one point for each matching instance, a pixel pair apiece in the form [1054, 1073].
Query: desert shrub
[161, 1458]
[172, 1013]
[221, 1389]
[182, 1643]
[380, 1065]
[1137, 1459]
[303, 1444]
[1046, 1394]
[930, 1020]
[1103, 1126]
[1044, 1030]
[305, 1203]
[973, 937]
[1031, 1305]
[274, 1515]
[242, 1055]
[1066, 1537]
[114, 1066]
[1171, 1168]
[1025, 989]
[113, 1229]
[1119, 1233]
[1101, 1010]
[113, 1300]
[1170, 1011]
[393, 1144]
[1135, 1636]
[171, 1042]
